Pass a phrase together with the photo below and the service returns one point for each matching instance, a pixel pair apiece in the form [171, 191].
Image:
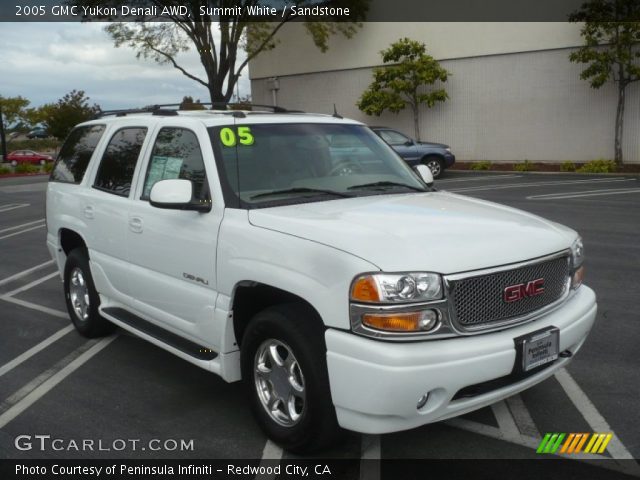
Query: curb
[497, 172]
[13, 175]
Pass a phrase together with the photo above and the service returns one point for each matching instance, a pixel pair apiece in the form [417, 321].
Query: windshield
[277, 164]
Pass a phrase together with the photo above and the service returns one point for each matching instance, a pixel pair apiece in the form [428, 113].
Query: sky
[44, 61]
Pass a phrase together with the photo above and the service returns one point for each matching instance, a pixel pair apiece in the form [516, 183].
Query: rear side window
[75, 154]
[119, 161]
[177, 154]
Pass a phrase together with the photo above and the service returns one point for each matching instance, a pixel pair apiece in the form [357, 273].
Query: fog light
[422, 401]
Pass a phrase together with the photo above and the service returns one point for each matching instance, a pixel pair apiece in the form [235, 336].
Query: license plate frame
[540, 348]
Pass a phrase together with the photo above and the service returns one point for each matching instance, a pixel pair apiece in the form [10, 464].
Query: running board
[176, 341]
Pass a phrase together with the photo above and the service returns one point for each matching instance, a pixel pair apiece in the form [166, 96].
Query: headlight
[397, 288]
[448, 149]
[577, 258]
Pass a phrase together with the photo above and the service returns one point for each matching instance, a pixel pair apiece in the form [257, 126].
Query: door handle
[135, 224]
[88, 211]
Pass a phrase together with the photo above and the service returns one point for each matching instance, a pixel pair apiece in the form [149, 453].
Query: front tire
[82, 298]
[284, 370]
[435, 164]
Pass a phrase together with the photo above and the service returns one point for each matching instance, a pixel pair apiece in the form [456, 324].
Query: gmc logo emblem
[515, 293]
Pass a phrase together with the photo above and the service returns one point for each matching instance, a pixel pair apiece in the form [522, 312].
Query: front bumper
[376, 385]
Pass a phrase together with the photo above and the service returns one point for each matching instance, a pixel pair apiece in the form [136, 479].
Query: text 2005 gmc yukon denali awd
[299, 253]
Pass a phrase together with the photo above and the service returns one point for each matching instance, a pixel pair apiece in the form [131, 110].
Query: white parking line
[271, 455]
[370, 457]
[586, 193]
[540, 184]
[21, 231]
[506, 422]
[12, 206]
[31, 285]
[35, 306]
[24, 273]
[7, 367]
[590, 413]
[52, 381]
[475, 179]
[20, 226]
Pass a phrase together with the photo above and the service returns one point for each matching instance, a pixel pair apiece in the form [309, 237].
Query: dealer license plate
[540, 348]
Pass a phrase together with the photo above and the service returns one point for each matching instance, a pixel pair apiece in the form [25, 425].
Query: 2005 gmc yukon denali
[335, 282]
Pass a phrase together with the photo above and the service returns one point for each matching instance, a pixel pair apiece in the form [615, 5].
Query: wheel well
[435, 155]
[70, 240]
[251, 298]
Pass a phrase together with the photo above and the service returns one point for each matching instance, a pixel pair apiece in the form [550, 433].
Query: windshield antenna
[335, 112]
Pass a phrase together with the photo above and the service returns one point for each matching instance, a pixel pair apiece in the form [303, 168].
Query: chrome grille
[479, 300]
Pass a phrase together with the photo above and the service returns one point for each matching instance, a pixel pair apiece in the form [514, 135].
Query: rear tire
[82, 298]
[435, 164]
[284, 370]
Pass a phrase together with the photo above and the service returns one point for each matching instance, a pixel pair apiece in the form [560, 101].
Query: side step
[176, 341]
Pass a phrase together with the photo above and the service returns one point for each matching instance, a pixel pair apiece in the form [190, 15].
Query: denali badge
[514, 293]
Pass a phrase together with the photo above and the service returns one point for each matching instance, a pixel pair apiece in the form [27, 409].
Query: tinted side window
[75, 154]
[177, 154]
[119, 161]
[393, 138]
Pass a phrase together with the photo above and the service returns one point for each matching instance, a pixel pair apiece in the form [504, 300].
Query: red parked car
[27, 156]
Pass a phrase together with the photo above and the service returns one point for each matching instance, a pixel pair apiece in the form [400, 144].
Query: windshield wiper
[301, 190]
[386, 184]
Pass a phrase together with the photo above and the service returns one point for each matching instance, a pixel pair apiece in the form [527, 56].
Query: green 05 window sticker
[229, 138]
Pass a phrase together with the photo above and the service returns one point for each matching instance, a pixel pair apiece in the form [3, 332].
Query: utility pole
[3, 139]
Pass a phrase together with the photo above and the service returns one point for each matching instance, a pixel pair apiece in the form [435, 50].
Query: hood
[436, 231]
[433, 144]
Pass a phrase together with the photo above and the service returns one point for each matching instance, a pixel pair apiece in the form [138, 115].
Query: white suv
[300, 254]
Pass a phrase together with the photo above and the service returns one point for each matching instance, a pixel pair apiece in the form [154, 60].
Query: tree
[403, 82]
[217, 39]
[611, 32]
[66, 113]
[189, 104]
[12, 109]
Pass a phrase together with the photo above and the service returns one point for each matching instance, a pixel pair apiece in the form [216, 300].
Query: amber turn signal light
[401, 322]
[365, 290]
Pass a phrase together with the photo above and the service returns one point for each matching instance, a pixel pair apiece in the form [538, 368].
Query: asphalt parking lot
[54, 382]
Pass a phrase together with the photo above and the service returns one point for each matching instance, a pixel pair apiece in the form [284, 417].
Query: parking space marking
[475, 179]
[540, 184]
[22, 231]
[506, 423]
[24, 273]
[30, 285]
[369, 458]
[16, 397]
[586, 193]
[591, 414]
[7, 367]
[522, 417]
[271, 454]
[46, 386]
[20, 226]
[12, 206]
[35, 306]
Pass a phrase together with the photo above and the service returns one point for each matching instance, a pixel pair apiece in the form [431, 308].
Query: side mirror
[408, 143]
[425, 174]
[175, 194]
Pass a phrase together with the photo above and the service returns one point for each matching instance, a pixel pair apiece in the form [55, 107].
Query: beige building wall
[513, 93]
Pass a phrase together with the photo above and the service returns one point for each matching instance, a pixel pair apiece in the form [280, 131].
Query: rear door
[172, 253]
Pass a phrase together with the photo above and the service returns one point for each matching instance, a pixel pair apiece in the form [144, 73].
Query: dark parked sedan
[436, 156]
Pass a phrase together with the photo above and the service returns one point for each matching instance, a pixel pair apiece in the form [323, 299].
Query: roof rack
[171, 109]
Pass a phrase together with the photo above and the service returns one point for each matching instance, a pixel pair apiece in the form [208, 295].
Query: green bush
[598, 166]
[4, 170]
[48, 167]
[525, 166]
[26, 168]
[568, 166]
[35, 144]
[484, 165]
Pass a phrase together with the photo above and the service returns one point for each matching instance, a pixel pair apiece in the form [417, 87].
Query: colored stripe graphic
[552, 442]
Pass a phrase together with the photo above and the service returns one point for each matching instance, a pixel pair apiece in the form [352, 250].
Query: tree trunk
[416, 122]
[619, 124]
[3, 139]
